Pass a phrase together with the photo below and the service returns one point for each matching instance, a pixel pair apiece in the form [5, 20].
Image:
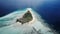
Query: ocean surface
[8, 24]
[48, 9]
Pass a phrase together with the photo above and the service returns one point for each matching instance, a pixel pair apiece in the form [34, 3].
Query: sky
[48, 9]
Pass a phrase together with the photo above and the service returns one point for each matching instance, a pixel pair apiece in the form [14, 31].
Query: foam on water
[36, 26]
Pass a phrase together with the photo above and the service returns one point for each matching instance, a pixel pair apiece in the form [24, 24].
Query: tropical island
[27, 17]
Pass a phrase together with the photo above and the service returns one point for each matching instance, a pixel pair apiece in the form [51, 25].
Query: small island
[27, 17]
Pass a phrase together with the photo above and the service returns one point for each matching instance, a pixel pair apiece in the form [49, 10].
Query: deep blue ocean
[48, 9]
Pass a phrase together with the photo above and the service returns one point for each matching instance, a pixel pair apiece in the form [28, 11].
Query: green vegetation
[27, 17]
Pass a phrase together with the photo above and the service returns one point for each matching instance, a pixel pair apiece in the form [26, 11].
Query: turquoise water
[8, 24]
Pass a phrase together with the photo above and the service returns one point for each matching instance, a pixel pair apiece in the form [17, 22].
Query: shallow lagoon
[8, 24]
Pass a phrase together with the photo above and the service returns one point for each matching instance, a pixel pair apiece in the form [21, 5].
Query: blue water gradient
[48, 9]
[8, 24]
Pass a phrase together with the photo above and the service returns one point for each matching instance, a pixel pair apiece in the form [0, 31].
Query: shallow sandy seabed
[36, 26]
